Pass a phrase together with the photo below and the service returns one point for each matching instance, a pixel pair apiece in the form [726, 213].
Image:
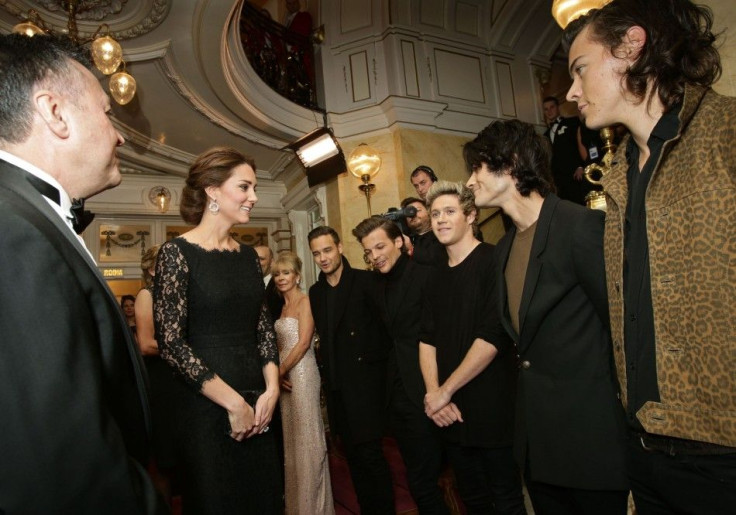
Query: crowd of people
[586, 355]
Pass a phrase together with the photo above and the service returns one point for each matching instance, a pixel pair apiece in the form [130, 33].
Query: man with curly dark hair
[670, 247]
[552, 291]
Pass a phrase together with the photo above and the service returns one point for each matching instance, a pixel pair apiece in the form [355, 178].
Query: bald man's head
[265, 256]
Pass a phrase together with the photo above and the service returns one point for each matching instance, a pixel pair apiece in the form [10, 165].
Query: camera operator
[427, 249]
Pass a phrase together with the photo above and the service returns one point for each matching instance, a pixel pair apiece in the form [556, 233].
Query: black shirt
[460, 306]
[639, 337]
[428, 250]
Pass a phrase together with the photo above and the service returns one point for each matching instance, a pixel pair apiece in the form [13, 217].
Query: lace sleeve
[266, 335]
[170, 316]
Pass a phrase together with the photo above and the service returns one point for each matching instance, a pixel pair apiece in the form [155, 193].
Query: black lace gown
[210, 319]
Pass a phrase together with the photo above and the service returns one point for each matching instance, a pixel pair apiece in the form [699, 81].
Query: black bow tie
[80, 218]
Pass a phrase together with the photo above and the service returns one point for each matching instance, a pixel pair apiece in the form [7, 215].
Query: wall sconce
[160, 197]
[364, 163]
[318, 35]
[320, 155]
[564, 11]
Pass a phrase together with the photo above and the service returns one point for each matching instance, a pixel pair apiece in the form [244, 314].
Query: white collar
[65, 203]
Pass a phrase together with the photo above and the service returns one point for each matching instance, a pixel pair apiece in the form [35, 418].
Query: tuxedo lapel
[527, 326]
[15, 180]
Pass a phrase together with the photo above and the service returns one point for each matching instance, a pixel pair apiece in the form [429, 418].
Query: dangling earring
[214, 207]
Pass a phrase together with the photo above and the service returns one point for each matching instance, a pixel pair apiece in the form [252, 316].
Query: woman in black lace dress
[213, 329]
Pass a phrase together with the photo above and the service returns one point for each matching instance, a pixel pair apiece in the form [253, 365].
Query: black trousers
[488, 480]
[421, 449]
[671, 483]
[550, 499]
[369, 469]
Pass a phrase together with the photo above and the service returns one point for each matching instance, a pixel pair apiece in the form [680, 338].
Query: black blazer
[358, 348]
[404, 325]
[568, 417]
[73, 405]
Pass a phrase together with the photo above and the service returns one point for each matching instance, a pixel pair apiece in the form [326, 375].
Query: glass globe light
[122, 87]
[107, 54]
[28, 28]
[364, 161]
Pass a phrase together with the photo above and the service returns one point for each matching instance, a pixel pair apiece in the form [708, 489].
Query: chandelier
[107, 53]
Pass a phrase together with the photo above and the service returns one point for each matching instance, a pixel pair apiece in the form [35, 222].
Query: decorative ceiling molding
[87, 9]
[168, 68]
[125, 20]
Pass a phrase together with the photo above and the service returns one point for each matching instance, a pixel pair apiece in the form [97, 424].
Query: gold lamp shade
[107, 54]
[28, 28]
[364, 161]
[122, 87]
[564, 11]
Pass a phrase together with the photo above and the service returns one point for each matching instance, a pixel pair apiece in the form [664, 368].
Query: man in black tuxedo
[570, 429]
[567, 164]
[274, 300]
[74, 413]
[354, 347]
[400, 296]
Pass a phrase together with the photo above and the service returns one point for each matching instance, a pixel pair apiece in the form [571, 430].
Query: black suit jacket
[568, 417]
[73, 405]
[358, 349]
[404, 324]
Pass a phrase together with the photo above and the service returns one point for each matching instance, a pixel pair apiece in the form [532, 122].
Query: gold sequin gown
[307, 474]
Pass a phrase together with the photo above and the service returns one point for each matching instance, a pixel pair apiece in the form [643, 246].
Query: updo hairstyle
[211, 168]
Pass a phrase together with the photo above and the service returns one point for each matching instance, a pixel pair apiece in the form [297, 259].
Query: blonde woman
[307, 475]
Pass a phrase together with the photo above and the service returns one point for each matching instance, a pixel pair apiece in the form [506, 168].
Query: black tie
[79, 217]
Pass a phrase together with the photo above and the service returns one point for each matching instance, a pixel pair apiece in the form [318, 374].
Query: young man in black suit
[569, 435]
[354, 347]
[73, 406]
[400, 296]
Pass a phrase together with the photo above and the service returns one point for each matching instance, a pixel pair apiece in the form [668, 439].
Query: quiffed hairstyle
[148, 261]
[461, 191]
[679, 47]
[513, 146]
[27, 63]
[369, 225]
[323, 230]
[211, 168]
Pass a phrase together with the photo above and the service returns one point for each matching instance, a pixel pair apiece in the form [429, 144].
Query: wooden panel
[432, 12]
[467, 18]
[411, 80]
[359, 76]
[459, 76]
[506, 88]
[355, 15]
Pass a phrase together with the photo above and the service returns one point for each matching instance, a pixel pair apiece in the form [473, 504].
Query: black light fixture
[320, 155]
